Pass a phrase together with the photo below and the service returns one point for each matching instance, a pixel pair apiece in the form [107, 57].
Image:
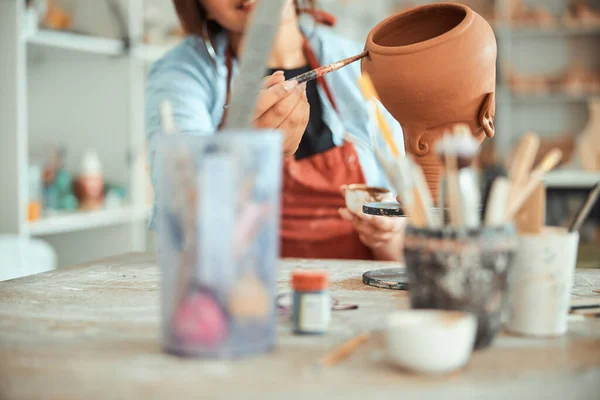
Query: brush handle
[585, 209]
[343, 351]
[550, 161]
[523, 158]
[495, 210]
[324, 70]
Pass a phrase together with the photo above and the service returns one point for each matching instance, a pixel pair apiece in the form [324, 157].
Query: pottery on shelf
[434, 66]
[589, 140]
[89, 185]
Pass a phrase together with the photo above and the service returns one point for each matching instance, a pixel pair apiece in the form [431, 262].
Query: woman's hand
[283, 105]
[383, 235]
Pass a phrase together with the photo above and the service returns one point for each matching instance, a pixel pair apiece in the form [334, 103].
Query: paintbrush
[368, 90]
[451, 165]
[324, 70]
[550, 161]
[585, 209]
[522, 161]
[343, 351]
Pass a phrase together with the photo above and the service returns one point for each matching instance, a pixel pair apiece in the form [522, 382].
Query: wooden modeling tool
[522, 161]
[453, 187]
[531, 217]
[343, 351]
[324, 70]
[550, 161]
[253, 63]
[495, 211]
[368, 90]
[585, 209]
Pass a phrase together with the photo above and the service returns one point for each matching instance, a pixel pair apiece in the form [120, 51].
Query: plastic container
[312, 303]
[217, 214]
[544, 270]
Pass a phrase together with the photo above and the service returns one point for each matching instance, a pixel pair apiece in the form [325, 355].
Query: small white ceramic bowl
[357, 195]
[430, 341]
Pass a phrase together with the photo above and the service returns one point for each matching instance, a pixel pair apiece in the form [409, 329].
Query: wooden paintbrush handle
[344, 350]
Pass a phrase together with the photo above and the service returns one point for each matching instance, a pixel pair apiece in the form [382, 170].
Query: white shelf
[81, 220]
[506, 95]
[571, 179]
[152, 52]
[559, 30]
[77, 42]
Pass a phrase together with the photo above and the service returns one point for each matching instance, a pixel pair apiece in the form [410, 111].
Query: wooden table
[91, 332]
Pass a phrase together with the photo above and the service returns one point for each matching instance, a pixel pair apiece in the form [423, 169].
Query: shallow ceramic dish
[357, 195]
[430, 341]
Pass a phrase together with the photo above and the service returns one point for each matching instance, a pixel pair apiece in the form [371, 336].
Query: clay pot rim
[415, 47]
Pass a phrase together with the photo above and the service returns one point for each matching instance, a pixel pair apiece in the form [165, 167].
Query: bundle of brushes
[459, 187]
[522, 195]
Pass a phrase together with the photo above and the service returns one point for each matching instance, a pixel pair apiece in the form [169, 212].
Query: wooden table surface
[91, 332]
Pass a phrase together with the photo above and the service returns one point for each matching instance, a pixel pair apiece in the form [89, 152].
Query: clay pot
[434, 66]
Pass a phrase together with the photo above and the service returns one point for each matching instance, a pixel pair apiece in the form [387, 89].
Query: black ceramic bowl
[467, 270]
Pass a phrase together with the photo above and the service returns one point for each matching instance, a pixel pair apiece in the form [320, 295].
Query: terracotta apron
[310, 223]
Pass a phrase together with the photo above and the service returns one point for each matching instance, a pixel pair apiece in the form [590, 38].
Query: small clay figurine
[89, 185]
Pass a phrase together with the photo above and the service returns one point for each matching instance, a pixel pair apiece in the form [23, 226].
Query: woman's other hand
[383, 235]
[283, 105]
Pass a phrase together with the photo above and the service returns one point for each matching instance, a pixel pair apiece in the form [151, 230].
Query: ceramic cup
[467, 270]
[430, 341]
[543, 278]
[357, 195]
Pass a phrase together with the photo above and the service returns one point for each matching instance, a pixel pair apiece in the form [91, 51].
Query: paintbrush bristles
[370, 94]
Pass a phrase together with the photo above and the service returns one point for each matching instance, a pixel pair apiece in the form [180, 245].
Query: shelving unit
[549, 113]
[77, 42]
[81, 220]
[94, 99]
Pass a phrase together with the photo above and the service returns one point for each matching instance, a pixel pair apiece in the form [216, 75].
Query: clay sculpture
[434, 66]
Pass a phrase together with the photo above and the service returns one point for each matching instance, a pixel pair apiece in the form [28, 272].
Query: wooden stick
[324, 70]
[368, 90]
[532, 216]
[550, 161]
[343, 351]
[585, 209]
[522, 161]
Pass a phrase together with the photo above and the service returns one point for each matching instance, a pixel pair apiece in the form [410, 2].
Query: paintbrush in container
[324, 70]
[550, 161]
[585, 209]
[368, 90]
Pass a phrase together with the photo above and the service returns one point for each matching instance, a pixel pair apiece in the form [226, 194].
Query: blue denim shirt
[196, 86]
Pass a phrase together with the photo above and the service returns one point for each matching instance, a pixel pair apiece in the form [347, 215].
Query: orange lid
[310, 281]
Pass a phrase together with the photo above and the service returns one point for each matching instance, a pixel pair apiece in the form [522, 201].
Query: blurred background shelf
[77, 42]
[571, 179]
[550, 32]
[82, 220]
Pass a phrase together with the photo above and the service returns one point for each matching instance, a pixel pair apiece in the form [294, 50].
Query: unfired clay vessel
[434, 66]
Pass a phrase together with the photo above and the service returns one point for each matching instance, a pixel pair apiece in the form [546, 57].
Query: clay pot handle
[486, 115]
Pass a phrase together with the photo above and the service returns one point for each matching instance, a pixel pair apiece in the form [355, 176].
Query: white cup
[357, 195]
[542, 281]
[430, 341]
